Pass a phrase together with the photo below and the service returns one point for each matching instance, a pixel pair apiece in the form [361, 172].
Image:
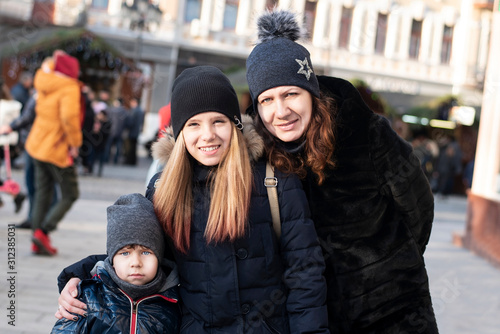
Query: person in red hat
[53, 142]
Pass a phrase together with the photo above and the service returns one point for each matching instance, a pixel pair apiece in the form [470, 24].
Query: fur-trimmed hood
[163, 147]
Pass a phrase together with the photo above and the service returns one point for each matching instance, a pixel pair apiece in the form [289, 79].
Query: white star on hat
[304, 68]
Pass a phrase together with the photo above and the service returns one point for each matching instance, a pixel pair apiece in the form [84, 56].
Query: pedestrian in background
[448, 165]
[370, 201]
[22, 125]
[164, 116]
[53, 142]
[427, 151]
[100, 137]
[102, 102]
[117, 114]
[9, 110]
[133, 124]
[468, 174]
[21, 91]
[86, 150]
[130, 278]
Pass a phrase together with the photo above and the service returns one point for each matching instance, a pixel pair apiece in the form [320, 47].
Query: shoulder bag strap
[271, 183]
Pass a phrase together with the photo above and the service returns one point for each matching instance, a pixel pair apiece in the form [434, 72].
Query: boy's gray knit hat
[132, 221]
[277, 60]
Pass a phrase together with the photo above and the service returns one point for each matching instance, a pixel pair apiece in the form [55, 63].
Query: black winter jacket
[258, 284]
[111, 311]
[373, 215]
[23, 123]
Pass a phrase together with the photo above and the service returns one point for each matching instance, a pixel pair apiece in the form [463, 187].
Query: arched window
[446, 45]
[345, 28]
[230, 14]
[415, 39]
[381, 34]
[309, 17]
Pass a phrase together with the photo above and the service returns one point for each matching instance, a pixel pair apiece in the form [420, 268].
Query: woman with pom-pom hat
[370, 201]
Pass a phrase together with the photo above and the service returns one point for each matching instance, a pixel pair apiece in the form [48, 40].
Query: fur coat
[373, 215]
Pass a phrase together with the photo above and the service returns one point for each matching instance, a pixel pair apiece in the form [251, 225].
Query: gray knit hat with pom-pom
[277, 60]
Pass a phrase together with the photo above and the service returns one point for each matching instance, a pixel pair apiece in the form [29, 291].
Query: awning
[21, 51]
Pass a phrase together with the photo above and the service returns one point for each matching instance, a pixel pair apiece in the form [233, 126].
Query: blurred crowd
[110, 127]
[447, 165]
[442, 161]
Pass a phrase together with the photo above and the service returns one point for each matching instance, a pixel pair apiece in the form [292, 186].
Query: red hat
[66, 64]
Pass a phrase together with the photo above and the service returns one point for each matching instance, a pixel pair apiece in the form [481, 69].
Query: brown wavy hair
[320, 139]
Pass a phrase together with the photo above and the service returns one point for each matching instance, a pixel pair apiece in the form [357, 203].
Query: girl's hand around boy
[68, 302]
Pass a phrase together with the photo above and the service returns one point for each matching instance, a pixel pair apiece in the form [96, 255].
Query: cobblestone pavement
[465, 288]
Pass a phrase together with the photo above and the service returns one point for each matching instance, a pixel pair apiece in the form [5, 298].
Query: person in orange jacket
[53, 142]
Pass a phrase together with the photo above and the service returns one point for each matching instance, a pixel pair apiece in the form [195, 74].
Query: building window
[309, 16]
[230, 14]
[193, 10]
[415, 39]
[100, 4]
[345, 28]
[381, 34]
[446, 47]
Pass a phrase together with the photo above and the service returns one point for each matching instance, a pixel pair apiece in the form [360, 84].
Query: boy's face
[135, 264]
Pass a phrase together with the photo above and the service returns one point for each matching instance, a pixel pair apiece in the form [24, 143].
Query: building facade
[406, 49]
[409, 50]
[482, 234]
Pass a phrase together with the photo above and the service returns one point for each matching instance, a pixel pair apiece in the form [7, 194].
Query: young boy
[130, 292]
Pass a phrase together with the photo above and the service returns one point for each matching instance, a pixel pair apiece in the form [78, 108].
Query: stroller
[9, 110]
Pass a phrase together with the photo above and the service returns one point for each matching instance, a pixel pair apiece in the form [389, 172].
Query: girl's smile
[207, 136]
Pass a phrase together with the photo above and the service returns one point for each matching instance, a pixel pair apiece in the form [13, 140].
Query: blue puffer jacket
[158, 313]
[258, 284]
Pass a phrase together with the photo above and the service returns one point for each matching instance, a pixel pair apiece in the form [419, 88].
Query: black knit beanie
[132, 220]
[277, 60]
[200, 89]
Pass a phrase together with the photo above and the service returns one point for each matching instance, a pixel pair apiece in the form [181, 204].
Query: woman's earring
[239, 125]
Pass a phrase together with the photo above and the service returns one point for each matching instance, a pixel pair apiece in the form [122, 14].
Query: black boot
[18, 201]
[25, 224]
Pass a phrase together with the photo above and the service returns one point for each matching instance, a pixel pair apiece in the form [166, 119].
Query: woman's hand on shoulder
[68, 302]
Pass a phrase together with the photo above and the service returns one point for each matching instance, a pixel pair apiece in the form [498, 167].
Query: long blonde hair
[230, 192]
